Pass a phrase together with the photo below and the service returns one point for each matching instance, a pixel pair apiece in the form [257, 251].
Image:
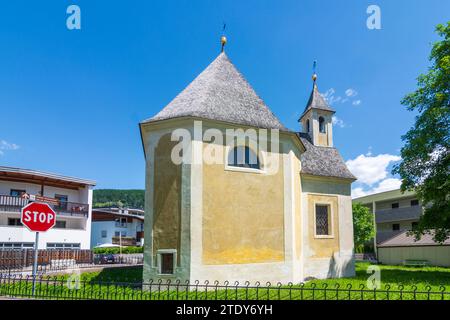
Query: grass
[397, 282]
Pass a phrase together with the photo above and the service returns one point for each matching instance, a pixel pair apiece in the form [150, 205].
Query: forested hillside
[119, 198]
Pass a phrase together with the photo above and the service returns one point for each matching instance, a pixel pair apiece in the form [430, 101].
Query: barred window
[322, 220]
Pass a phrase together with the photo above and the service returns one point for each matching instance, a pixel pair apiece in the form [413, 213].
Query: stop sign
[38, 217]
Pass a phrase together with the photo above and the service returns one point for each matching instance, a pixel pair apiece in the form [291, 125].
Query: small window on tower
[307, 125]
[321, 124]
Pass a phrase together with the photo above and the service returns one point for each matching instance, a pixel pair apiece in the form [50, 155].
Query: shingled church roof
[322, 161]
[221, 93]
[316, 101]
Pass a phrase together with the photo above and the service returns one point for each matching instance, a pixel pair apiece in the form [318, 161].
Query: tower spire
[223, 39]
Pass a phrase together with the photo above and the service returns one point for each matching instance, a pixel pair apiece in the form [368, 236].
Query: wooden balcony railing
[15, 204]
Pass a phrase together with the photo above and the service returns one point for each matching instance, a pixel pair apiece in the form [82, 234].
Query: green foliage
[104, 198]
[426, 153]
[363, 228]
[116, 250]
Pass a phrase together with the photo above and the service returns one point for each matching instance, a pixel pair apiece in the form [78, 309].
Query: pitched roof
[405, 240]
[316, 101]
[322, 161]
[221, 93]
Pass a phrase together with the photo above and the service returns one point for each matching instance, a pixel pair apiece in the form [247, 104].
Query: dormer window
[321, 125]
[243, 157]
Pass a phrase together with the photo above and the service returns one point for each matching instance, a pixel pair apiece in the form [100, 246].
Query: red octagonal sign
[38, 217]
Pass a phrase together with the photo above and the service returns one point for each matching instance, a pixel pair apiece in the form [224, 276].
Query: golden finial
[223, 41]
[314, 76]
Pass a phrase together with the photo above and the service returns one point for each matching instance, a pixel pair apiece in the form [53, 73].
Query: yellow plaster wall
[243, 218]
[166, 198]
[298, 196]
[323, 247]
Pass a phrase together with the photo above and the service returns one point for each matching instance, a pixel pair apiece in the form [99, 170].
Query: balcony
[398, 214]
[15, 204]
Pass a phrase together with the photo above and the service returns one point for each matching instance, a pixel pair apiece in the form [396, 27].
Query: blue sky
[71, 100]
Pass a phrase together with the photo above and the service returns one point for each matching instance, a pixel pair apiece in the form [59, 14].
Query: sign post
[37, 217]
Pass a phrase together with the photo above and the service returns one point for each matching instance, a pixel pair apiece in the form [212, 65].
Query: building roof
[99, 213]
[316, 101]
[384, 196]
[405, 240]
[322, 161]
[33, 176]
[221, 93]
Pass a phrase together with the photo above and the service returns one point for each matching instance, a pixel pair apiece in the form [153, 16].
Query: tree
[363, 228]
[426, 154]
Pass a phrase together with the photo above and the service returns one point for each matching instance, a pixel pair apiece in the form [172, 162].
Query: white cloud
[358, 192]
[388, 184]
[371, 169]
[351, 92]
[330, 97]
[338, 122]
[385, 185]
[6, 146]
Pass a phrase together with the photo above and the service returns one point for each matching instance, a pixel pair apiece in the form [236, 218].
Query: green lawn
[397, 282]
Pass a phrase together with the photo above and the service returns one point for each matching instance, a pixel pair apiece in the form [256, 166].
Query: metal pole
[35, 262]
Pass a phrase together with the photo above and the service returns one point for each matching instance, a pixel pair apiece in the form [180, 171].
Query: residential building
[403, 248]
[395, 212]
[257, 214]
[118, 226]
[70, 197]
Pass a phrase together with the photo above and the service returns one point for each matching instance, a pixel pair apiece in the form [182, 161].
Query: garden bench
[416, 263]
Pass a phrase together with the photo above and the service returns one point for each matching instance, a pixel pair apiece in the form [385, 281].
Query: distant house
[403, 248]
[395, 212]
[118, 226]
[70, 197]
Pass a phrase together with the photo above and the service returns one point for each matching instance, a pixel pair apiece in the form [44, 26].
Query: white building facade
[123, 227]
[71, 198]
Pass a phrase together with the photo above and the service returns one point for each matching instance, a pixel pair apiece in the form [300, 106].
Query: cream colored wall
[267, 242]
[325, 258]
[323, 247]
[167, 197]
[436, 255]
[239, 224]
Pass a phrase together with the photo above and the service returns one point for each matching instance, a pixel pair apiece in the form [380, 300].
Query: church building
[276, 208]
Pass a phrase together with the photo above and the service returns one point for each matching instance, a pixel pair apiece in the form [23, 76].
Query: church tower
[316, 119]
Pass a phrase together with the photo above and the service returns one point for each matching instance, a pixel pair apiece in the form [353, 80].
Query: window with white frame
[243, 157]
[323, 220]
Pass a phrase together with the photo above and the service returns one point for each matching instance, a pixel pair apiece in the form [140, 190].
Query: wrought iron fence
[19, 261]
[75, 288]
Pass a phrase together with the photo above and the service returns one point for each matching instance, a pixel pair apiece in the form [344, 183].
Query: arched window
[321, 124]
[243, 157]
[307, 125]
